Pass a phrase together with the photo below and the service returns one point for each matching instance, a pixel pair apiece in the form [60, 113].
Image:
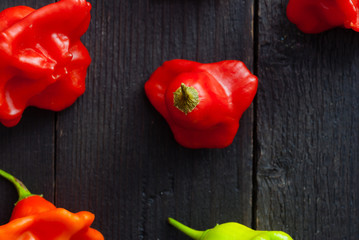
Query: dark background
[293, 166]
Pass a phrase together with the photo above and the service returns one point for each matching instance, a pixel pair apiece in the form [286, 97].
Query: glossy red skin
[42, 61]
[226, 89]
[30, 206]
[315, 16]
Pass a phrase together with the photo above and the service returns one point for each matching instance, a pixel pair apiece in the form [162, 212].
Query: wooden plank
[116, 155]
[307, 129]
[27, 150]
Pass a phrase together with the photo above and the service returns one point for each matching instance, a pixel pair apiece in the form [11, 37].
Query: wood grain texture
[307, 129]
[113, 154]
[116, 155]
[27, 150]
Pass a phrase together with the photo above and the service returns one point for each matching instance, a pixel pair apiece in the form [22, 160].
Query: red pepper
[202, 103]
[42, 60]
[314, 16]
[35, 218]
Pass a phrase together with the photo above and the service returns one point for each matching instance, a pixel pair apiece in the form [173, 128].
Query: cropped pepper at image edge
[230, 230]
[315, 16]
[38, 219]
[42, 60]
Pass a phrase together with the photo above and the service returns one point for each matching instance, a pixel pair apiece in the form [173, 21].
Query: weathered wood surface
[293, 165]
[307, 129]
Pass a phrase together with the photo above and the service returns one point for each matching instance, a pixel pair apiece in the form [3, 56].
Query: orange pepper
[35, 218]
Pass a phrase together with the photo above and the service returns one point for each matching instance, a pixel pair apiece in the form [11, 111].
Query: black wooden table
[293, 166]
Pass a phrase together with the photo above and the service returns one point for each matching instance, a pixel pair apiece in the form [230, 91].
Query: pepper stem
[195, 234]
[20, 187]
[185, 98]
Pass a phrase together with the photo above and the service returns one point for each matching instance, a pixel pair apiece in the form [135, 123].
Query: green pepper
[229, 231]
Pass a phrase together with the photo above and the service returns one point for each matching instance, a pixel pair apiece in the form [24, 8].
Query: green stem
[195, 234]
[20, 187]
[185, 98]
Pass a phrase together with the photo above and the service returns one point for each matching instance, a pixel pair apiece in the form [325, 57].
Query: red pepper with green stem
[35, 218]
[202, 103]
[314, 16]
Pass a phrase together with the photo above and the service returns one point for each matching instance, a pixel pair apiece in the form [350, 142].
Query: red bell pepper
[42, 60]
[314, 16]
[202, 103]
